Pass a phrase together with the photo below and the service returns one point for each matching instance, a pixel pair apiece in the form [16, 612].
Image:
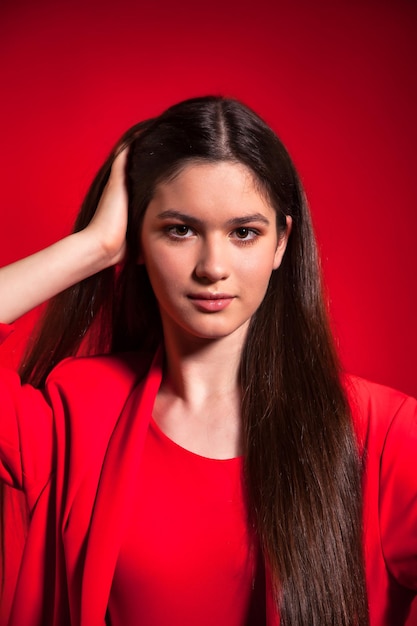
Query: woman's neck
[198, 405]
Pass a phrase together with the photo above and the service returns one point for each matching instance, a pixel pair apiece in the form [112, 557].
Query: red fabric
[76, 450]
[187, 556]
[386, 422]
[5, 331]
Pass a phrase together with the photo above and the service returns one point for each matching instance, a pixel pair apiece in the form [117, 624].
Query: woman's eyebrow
[246, 219]
[234, 221]
[177, 215]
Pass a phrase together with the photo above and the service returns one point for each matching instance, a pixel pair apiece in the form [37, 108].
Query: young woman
[212, 466]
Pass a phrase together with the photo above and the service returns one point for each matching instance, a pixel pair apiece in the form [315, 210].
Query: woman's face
[209, 243]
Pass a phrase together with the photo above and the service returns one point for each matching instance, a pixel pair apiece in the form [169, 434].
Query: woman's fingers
[110, 220]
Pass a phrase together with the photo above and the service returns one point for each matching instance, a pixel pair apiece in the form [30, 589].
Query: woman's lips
[211, 302]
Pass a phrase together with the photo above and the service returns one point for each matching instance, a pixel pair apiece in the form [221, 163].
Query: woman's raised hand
[110, 219]
[33, 280]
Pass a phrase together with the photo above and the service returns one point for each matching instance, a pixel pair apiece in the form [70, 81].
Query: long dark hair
[302, 467]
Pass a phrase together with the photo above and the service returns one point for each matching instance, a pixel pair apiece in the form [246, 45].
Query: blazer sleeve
[26, 434]
[398, 495]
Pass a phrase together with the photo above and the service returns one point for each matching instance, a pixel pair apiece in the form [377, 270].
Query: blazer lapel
[114, 496]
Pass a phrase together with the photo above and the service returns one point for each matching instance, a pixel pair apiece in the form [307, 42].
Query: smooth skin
[209, 243]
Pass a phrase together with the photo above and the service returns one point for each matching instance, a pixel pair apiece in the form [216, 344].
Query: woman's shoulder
[367, 392]
[107, 374]
[88, 394]
[379, 410]
[124, 364]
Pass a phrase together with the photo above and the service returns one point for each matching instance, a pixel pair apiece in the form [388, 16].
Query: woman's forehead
[206, 185]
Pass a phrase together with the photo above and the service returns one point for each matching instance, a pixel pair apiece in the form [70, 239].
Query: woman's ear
[282, 243]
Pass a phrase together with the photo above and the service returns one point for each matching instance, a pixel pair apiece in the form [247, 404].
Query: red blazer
[75, 447]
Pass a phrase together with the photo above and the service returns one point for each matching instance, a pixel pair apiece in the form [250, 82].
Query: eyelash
[172, 232]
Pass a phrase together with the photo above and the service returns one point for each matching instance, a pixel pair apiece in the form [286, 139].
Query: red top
[186, 557]
[75, 450]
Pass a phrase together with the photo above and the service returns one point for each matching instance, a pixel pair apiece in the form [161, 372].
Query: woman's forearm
[27, 283]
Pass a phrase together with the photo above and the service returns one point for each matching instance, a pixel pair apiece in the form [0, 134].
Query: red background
[335, 79]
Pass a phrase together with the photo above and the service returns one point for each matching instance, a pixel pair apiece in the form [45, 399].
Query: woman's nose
[212, 263]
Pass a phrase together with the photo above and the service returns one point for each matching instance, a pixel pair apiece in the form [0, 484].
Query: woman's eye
[245, 233]
[179, 230]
